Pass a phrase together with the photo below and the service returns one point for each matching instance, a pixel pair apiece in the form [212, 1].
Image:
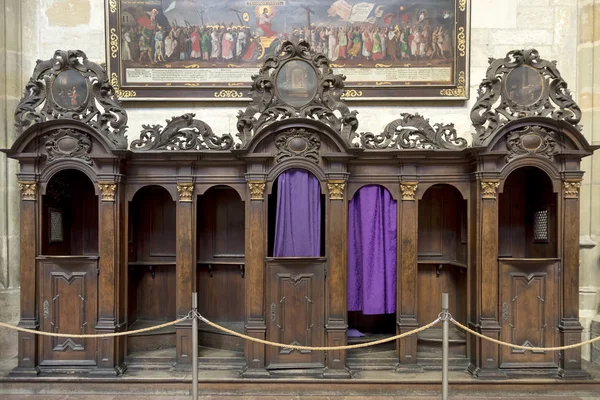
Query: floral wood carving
[571, 189]
[408, 190]
[181, 133]
[107, 190]
[489, 189]
[413, 131]
[28, 190]
[268, 105]
[336, 189]
[69, 86]
[186, 191]
[257, 190]
[502, 99]
[531, 140]
[68, 143]
[298, 143]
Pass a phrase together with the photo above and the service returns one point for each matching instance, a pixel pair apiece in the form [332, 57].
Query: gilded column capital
[489, 189]
[28, 190]
[571, 189]
[185, 190]
[107, 190]
[336, 189]
[257, 190]
[408, 189]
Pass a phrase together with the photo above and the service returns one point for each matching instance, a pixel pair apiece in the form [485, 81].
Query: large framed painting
[209, 49]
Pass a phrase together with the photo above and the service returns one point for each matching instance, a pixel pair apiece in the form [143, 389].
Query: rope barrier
[98, 335]
[319, 348]
[516, 346]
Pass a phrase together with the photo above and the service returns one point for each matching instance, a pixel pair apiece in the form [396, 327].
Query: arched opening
[372, 246]
[220, 274]
[527, 215]
[70, 215]
[152, 273]
[442, 259]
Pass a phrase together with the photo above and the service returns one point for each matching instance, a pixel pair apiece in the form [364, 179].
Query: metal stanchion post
[195, 347]
[445, 323]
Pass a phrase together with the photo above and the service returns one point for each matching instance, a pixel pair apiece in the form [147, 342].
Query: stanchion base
[408, 368]
[255, 373]
[25, 372]
[337, 373]
[574, 374]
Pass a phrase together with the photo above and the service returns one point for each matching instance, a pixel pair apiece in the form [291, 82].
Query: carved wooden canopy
[69, 86]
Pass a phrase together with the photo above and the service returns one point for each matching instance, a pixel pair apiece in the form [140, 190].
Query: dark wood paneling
[296, 311]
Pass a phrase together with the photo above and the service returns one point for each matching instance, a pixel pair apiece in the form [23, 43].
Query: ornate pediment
[531, 140]
[413, 131]
[518, 86]
[69, 86]
[296, 83]
[181, 133]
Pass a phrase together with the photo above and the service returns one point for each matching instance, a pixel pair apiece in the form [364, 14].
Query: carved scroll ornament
[69, 86]
[413, 131]
[537, 89]
[68, 143]
[531, 140]
[181, 133]
[268, 105]
[298, 143]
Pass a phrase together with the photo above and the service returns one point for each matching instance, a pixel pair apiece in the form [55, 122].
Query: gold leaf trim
[185, 190]
[229, 93]
[107, 190]
[408, 190]
[489, 189]
[460, 90]
[352, 93]
[192, 66]
[192, 84]
[383, 65]
[462, 5]
[336, 189]
[337, 65]
[114, 43]
[382, 83]
[462, 41]
[571, 189]
[28, 190]
[235, 84]
[114, 81]
[257, 190]
[113, 6]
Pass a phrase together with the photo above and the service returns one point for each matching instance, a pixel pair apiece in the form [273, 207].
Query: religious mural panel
[201, 49]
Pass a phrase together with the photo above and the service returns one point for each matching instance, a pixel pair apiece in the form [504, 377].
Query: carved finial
[571, 189]
[28, 190]
[408, 190]
[257, 190]
[336, 189]
[185, 191]
[107, 190]
[489, 189]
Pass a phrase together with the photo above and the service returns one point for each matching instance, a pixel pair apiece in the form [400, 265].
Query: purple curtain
[298, 220]
[372, 252]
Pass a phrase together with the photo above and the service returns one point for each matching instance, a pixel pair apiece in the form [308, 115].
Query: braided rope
[98, 335]
[319, 348]
[516, 346]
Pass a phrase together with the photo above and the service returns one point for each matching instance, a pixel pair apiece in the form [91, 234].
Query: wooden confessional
[116, 236]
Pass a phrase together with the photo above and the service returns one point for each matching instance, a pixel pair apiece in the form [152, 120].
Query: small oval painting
[296, 83]
[524, 85]
[69, 89]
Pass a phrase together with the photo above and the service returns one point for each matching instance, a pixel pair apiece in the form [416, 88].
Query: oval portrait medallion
[69, 90]
[296, 83]
[524, 85]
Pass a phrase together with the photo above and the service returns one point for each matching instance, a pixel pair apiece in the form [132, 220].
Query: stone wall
[551, 26]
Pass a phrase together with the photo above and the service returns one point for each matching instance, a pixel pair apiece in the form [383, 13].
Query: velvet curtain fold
[298, 215]
[372, 251]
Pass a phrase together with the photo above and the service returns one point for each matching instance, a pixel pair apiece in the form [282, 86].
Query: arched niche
[151, 279]
[220, 237]
[298, 195]
[372, 281]
[69, 215]
[442, 249]
[528, 215]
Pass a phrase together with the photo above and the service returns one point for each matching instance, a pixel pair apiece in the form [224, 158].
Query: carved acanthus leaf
[68, 143]
[180, 134]
[298, 143]
[413, 131]
[531, 140]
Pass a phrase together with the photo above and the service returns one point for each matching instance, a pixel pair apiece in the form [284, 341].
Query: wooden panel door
[295, 311]
[529, 311]
[68, 305]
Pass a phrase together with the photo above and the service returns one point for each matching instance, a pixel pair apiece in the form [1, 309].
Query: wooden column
[406, 273]
[336, 290]
[108, 269]
[186, 270]
[28, 349]
[255, 253]
[487, 361]
[570, 328]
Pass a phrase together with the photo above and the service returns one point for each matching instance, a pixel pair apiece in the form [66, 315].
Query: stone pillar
[11, 86]
[186, 270]
[588, 98]
[255, 252]
[406, 272]
[336, 310]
